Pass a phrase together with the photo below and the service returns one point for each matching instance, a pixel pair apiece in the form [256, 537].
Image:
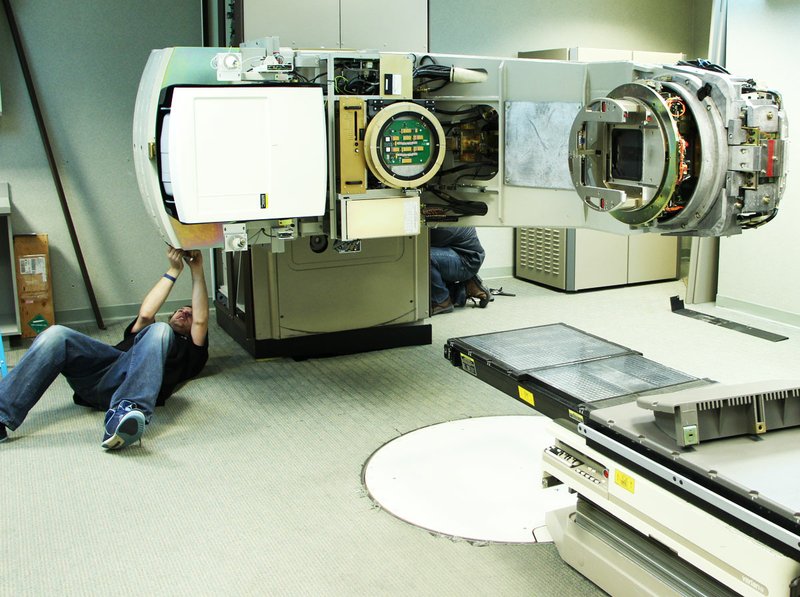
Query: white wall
[86, 58]
[355, 24]
[505, 28]
[759, 271]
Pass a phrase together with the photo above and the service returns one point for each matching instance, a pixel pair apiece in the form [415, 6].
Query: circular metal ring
[714, 152]
[652, 209]
[375, 135]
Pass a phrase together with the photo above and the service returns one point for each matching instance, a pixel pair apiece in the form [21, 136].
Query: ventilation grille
[541, 250]
[747, 399]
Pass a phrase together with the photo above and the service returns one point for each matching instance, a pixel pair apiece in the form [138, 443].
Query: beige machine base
[621, 561]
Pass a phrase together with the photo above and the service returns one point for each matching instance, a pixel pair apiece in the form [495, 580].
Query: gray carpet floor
[248, 482]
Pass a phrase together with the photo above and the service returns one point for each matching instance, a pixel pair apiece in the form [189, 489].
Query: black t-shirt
[184, 361]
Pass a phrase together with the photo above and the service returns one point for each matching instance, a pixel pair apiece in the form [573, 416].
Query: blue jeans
[447, 269]
[100, 374]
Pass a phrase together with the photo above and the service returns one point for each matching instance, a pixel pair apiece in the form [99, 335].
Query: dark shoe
[445, 307]
[124, 426]
[3, 434]
[477, 291]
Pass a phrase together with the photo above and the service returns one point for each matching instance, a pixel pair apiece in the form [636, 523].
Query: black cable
[462, 167]
[458, 112]
[478, 176]
[469, 208]
[705, 65]
[750, 225]
[433, 70]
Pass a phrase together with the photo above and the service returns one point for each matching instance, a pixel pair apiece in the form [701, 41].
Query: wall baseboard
[114, 313]
[487, 273]
[770, 313]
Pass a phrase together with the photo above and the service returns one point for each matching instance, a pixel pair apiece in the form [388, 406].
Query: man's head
[181, 320]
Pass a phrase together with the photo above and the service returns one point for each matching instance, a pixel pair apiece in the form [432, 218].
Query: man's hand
[175, 257]
[194, 259]
[157, 296]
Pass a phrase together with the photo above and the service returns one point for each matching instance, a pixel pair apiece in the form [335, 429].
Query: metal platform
[561, 371]
[746, 479]
[593, 386]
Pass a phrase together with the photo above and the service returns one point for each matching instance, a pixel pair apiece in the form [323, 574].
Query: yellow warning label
[525, 395]
[625, 481]
[468, 364]
[575, 416]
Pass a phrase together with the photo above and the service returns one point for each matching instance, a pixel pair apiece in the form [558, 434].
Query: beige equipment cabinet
[579, 259]
[9, 305]
[310, 301]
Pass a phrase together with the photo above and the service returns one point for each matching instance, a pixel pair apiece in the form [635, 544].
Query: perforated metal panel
[560, 370]
[612, 377]
[530, 349]
[541, 255]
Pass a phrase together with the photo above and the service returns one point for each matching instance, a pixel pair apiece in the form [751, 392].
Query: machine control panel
[577, 465]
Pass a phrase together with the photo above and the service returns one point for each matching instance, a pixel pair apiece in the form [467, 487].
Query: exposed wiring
[459, 206]
[258, 233]
[471, 166]
[705, 65]
[459, 112]
[750, 224]
[431, 72]
[354, 78]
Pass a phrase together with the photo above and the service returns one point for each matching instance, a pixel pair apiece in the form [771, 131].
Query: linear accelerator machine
[317, 172]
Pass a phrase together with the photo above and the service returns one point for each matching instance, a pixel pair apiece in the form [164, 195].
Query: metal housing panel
[330, 292]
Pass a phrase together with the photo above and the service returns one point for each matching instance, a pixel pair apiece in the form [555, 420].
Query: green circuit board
[406, 142]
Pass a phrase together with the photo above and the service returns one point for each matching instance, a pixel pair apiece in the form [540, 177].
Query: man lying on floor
[127, 380]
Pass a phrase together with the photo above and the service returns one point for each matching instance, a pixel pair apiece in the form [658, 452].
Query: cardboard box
[34, 283]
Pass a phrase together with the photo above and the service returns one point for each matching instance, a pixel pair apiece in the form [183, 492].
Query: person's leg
[143, 367]
[57, 349]
[133, 383]
[450, 265]
[440, 258]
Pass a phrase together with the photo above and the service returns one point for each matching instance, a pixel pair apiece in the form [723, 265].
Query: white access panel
[246, 153]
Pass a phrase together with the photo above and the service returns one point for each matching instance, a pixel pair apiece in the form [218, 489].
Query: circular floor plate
[478, 479]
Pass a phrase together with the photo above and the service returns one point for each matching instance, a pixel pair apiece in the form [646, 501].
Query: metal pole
[51, 160]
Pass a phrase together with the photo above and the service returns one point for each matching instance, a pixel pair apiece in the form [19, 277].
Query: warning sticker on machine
[625, 481]
[33, 265]
[525, 395]
[575, 416]
[468, 364]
